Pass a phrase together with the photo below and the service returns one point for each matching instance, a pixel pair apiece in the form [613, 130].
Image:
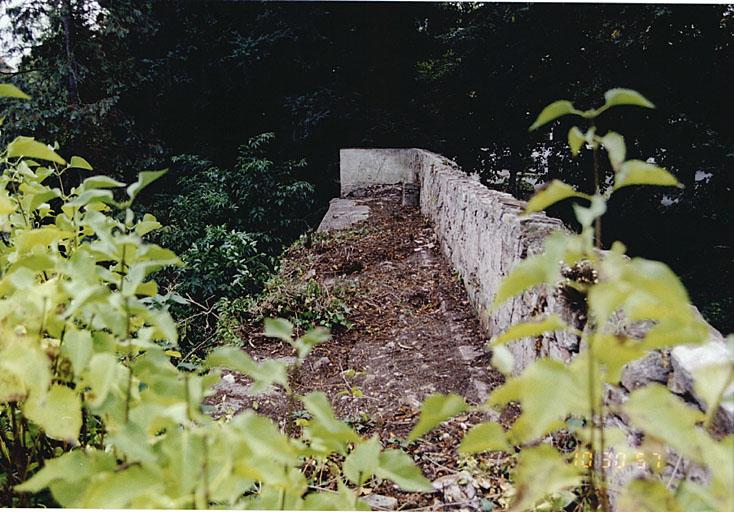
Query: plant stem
[205, 471]
[597, 188]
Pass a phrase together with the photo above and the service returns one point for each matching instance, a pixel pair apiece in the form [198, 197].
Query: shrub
[554, 395]
[224, 263]
[93, 411]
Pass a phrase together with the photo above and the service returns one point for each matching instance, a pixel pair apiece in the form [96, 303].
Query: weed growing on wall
[93, 413]
[617, 290]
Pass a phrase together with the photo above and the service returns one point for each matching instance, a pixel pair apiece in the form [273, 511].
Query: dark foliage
[143, 81]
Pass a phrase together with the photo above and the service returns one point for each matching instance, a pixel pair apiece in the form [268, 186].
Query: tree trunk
[67, 21]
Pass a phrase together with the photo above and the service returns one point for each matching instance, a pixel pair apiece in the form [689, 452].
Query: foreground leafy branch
[93, 410]
[618, 291]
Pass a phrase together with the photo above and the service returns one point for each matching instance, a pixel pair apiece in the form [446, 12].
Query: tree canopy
[132, 84]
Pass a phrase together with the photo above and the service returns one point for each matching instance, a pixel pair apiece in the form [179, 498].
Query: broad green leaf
[263, 374]
[363, 461]
[11, 91]
[713, 381]
[90, 197]
[145, 178]
[185, 454]
[344, 499]
[78, 162]
[552, 112]
[661, 415]
[58, 413]
[576, 140]
[23, 370]
[484, 437]
[587, 216]
[647, 494]
[279, 328]
[555, 191]
[533, 390]
[637, 172]
[621, 96]
[146, 225]
[398, 467]
[313, 337]
[436, 409]
[100, 376]
[265, 439]
[73, 466]
[324, 419]
[536, 328]
[541, 471]
[95, 182]
[528, 273]
[614, 353]
[502, 359]
[119, 489]
[77, 347]
[132, 442]
[148, 289]
[616, 149]
[30, 148]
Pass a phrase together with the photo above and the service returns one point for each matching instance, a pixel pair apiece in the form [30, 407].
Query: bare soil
[413, 333]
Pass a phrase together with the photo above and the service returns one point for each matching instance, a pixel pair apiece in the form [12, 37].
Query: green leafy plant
[93, 412]
[618, 291]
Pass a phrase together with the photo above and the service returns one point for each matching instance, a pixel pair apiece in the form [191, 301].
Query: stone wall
[483, 235]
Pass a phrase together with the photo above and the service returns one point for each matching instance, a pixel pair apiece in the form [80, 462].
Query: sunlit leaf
[541, 471]
[637, 172]
[145, 178]
[263, 373]
[58, 413]
[553, 192]
[94, 182]
[77, 346]
[363, 461]
[576, 140]
[535, 328]
[398, 467]
[532, 389]
[647, 494]
[664, 416]
[528, 273]
[11, 91]
[436, 409]
[587, 216]
[552, 112]
[621, 96]
[73, 466]
[502, 359]
[484, 437]
[28, 147]
[324, 419]
[78, 162]
[279, 328]
[616, 149]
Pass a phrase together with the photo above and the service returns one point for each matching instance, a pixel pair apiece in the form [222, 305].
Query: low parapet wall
[483, 235]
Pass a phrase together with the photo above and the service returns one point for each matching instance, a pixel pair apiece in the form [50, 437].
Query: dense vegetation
[247, 103]
[135, 85]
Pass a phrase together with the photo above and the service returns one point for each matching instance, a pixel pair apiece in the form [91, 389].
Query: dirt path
[413, 333]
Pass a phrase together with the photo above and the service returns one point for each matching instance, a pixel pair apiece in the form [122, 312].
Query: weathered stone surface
[654, 367]
[380, 502]
[469, 353]
[483, 236]
[343, 213]
[360, 168]
[686, 361]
